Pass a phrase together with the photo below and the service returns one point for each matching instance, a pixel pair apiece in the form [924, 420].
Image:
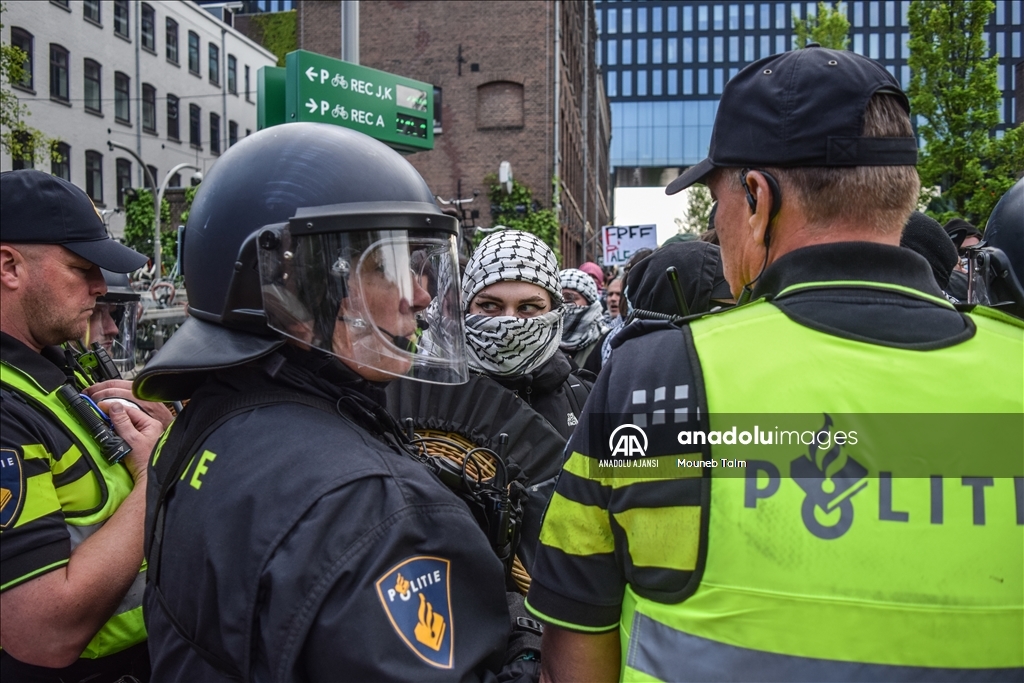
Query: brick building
[493, 65]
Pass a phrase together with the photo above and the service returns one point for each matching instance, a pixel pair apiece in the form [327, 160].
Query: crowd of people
[358, 460]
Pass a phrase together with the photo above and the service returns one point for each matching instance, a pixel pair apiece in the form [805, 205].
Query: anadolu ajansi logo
[830, 478]
[627, 441]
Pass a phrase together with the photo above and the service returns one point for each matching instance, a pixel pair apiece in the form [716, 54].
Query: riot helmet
[996, 264]
[114, 320]
[323, 236]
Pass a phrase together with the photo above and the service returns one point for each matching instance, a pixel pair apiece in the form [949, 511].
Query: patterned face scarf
[503, 345]
[581, 325]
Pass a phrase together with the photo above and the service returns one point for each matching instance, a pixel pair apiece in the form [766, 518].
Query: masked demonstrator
[581, 315]
[292, 536]
[520, 384]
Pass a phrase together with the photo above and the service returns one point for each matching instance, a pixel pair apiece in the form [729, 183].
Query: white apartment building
[166, 79]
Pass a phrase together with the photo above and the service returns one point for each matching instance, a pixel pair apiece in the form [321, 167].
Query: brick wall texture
[502, 106]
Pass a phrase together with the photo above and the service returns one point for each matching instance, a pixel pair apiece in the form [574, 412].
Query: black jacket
[301, 545]
[538, 411]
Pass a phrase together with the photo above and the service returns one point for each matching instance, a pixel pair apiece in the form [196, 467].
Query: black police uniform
[306, 547]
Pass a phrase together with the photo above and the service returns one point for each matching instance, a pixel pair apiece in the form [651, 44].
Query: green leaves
[17, 138]
[829, 28]
[138, 226]
[954, 90]
[519, 212]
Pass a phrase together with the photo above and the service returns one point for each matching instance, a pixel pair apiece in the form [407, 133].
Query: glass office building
[665, 63]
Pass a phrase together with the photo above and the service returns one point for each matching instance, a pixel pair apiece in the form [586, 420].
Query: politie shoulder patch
[416, 596]
[12, 487]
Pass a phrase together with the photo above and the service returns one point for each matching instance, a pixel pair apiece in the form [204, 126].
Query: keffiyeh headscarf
[581, 325]
[507, 345]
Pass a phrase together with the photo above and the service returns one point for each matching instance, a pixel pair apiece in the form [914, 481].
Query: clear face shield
[113, 326]
[386, 302]
[991, 280]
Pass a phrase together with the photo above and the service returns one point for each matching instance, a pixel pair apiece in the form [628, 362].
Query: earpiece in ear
[751, 202]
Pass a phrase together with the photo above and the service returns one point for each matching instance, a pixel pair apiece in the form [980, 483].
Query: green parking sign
[396, 110]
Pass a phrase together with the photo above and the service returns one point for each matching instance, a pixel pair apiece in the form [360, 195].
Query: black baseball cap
[801, 108]
[38, 208]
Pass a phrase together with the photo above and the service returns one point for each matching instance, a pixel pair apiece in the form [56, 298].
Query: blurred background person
[582, 326]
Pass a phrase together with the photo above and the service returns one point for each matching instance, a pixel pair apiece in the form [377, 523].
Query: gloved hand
[524, 640]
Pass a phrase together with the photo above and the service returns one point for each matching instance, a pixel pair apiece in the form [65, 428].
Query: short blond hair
[878, 197]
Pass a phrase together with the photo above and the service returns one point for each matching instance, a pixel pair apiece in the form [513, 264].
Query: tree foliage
[955, 92]
[519, 211]
[17, 138]
[698, 211]
[277, 32]
[138, 226]
[829, 27]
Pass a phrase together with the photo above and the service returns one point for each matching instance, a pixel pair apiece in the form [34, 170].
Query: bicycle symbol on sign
[339, 80]
[339, 111]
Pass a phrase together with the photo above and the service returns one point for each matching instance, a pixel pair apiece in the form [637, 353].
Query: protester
[924, 235]
[581, 315]
[519, 384]
[594, 271]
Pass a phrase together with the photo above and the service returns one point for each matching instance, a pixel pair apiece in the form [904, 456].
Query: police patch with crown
[416, 596]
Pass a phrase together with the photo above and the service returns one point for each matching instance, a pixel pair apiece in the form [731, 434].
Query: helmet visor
[113, 326]
[386, 302]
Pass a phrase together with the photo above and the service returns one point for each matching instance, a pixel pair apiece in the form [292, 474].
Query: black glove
[524, 640]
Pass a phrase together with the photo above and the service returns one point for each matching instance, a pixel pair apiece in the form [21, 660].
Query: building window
[124, 179]
[641, 52]
[613, 52]
[214, 64]
[673, 19]
[612, 86]
[641, 83]
[748, 17]
[247, 91]
[193, 52]
[148, 108]
[673, 50]
[655, 20]
[122, 100]
[172, 40]
[93, 89]
[61, 3]
[172, 117]
[232, 75]
[26, 159]
[175, 180]
[58, 73]
[91, 11]
[641, 20]
[627, 83]
[195, 133]
[121, 18]
[148, 28]
[656, 82]
[673, 82]
[656, 51]
[94, 176]
[61, 166]
[22, 39]
[719, 18]
[214, 133]
[627, 20]
[232, 133]
[152, 174]
[780, 15]
[613, 21]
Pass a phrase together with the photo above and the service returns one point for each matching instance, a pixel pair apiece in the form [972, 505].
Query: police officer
[804, 511]
[290, 534]
[71, 520]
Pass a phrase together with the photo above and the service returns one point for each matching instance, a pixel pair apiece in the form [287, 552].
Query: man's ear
[12, 267]
[760, 219]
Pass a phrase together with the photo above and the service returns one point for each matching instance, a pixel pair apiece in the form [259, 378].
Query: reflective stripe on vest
[873, 585]
[126, 627]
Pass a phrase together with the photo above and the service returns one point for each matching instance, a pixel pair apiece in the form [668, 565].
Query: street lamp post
[159, 202]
